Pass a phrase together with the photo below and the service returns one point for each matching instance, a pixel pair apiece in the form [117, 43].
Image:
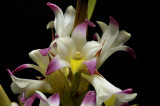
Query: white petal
[126, 97]
[90, 48]
[38, 58]
[59, 18]
[103, 26]
[110, 34]
[122, 37]
[104, 89]
[19, 85]
[43, 102]
[50, 25]
[65, 45]
[79, 34]
[108, 52]
[96, 37]
[69, 18]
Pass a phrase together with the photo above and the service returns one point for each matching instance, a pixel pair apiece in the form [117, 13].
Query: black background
[23, 29]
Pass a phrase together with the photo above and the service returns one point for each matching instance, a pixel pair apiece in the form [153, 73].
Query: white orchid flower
[75, 50]
[19, 85]
[108, 93]
[53, 100]
[112, 40]
[63, 23]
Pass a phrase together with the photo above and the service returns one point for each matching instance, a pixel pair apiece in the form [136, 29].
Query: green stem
[4, 100]
[60, 84]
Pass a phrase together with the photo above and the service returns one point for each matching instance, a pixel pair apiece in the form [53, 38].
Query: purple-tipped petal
[89, 99]
[113, 21]
[90, 23]
[9, 72]
[59, 18]
[131, 52]
[55, 64]
[79, 34]
[32, 98]
[30, 101]
[45, 51]
[110, 34]
[23, 66]
[127, 91]
[91, 65]
[54, 7]
[54, 100]
[41, 97]
[19, 68]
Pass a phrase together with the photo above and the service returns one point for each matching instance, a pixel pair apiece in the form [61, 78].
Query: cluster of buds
[71, 63]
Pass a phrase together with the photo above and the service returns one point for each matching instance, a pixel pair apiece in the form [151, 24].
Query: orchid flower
[63, 23]
[20, 85]
[108, 93]
[112, 40]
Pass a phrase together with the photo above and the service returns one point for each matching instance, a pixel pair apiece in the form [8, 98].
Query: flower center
[77, 56]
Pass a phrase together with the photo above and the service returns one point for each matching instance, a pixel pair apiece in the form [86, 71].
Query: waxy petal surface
[91, 65]
[59, 18]
[56, 64]
[89, 99]
[79, 34]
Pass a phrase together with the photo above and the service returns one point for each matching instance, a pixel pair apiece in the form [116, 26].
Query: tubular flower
[70, 64]
[108, 93]
[112, 40]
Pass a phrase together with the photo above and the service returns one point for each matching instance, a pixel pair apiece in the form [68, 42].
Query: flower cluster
[70, 65]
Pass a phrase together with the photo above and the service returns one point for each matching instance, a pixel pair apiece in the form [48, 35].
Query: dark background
[23, 29]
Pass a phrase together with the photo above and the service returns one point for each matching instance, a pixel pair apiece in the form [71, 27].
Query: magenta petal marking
[113, 21]
[54, 65]
[9, 72]
[95, 37]
[30, 100]
[39, 97]
[131, 52]
[83, 26]
[89, 99]
[91, 65]
[53, 6]
[45, 51]
[127, 91]
[23, 98]
[54, 99]
[89, 23]
[23, 66]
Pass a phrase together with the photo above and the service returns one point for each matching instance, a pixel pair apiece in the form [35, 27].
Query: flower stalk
[4, 100]
[81, 12]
